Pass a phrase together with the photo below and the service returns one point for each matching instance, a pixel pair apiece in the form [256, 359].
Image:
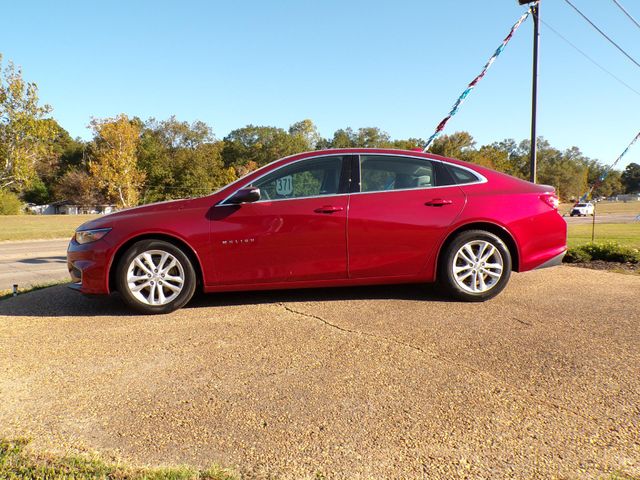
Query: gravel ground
[384, 382]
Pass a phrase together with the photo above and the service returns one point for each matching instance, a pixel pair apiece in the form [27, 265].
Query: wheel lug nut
[155, 271]
[151, 283]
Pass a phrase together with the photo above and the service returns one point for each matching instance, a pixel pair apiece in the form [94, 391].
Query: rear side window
[462, 176]
[384, 172]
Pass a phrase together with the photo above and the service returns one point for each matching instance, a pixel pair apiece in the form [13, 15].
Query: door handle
[328, 209]
[438, 202]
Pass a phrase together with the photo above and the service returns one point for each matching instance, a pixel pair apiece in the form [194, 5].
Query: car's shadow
[60, 301]
[377, 292]
[42, 260]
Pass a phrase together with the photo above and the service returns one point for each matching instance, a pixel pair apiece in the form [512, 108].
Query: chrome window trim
[223, 204]
[481, 178]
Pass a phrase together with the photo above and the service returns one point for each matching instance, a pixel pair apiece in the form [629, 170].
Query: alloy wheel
[477, 266]
[155, 277]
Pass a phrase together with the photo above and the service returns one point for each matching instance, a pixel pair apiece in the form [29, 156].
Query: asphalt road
[604, 218]
[377, 382]
[32, 262]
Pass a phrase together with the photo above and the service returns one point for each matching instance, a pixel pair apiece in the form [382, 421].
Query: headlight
[88, 236]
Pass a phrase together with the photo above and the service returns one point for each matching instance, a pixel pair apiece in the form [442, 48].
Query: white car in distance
[582, 209]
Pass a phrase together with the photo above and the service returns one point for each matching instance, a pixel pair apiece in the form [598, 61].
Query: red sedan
[327, 218]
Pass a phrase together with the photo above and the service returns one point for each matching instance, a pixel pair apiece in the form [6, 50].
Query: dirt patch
[617, 267]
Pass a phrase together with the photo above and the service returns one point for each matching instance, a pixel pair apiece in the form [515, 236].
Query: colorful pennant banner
[475, 81]
[602, 178]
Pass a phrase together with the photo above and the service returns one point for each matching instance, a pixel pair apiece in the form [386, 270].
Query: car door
[295, 232]
[400, 215]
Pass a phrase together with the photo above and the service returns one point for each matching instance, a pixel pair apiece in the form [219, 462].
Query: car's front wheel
[475, 266]
[154, 276]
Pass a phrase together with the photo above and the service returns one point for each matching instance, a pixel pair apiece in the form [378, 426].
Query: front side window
[308, 178]
[383, 172]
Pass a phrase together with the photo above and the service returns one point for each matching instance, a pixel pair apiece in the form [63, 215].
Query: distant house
[65, 207]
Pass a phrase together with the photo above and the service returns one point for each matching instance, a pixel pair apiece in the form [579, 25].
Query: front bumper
[88, 267]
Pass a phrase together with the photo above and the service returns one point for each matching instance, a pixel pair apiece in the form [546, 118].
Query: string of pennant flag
[476, 80]
[480, 76]
[604, 175]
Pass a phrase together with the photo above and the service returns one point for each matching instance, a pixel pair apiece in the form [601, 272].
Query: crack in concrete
[522, 322]
[522, 393]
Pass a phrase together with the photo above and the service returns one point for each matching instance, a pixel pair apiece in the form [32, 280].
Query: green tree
[254, 145]
[372, 137]
[308, 132]
[612, 185]
[409, 144]
[68, 152]
[566, 171]
[77, 186]
[65, 154]
[455, 145]
[367, 137]
[37, 192]
[342, 138]
[113, 159]
[631, 178]
[181, 160]
[25, 137]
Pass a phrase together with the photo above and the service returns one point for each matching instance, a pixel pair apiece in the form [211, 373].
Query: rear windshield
[581, 205]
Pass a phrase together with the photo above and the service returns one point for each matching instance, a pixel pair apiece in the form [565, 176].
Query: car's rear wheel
[154, 276]
[475, 266]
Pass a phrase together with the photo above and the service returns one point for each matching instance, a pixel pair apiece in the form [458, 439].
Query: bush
[37, 193]
[577, 255]
[10, 204]
[607, 252]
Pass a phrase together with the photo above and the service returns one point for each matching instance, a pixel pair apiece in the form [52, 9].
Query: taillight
[551, 199]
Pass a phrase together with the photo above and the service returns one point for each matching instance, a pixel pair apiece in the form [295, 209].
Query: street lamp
[535, 11]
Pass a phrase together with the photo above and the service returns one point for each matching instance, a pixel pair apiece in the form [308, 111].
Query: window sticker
[284, 185]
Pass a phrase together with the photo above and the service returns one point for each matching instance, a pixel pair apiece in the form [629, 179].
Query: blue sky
[395, 65]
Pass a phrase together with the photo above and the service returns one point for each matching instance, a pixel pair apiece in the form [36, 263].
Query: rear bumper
[553, 262]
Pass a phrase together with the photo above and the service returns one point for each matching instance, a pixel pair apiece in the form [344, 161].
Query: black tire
[183, 269]
[448, 260]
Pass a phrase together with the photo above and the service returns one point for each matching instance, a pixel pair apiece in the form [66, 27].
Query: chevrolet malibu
[326, 218]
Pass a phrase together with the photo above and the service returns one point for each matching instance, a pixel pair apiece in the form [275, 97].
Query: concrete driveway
[32, 262]
[384, 382]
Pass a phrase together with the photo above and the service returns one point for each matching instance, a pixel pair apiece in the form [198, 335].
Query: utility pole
[533, 161]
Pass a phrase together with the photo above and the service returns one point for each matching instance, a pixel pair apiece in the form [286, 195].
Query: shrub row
[607, 251]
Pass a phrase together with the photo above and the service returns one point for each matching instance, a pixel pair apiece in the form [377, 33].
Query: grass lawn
[624, 233]
[17, 461]
[36, 227]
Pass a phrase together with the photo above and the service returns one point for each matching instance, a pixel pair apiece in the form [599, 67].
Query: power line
[626, 13]
[589, 58]
[602, 33]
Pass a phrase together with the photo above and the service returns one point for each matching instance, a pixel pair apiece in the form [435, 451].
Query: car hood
[109, 220]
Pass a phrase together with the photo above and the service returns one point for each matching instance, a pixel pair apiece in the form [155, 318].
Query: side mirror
[245, 195]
